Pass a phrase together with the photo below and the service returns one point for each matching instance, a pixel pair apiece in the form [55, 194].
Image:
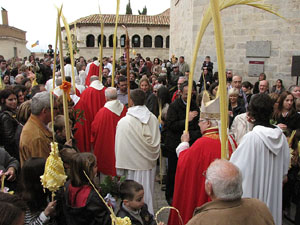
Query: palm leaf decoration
[214, 10]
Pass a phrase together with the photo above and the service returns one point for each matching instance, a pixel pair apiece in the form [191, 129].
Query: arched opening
[104, 40]
[168, 42]
[111, 41]
[147, 41]
[122, 40]
[90, 40]
[136, 41]
[159, 41]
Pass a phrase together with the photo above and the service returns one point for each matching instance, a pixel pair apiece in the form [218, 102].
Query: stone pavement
[159, 201]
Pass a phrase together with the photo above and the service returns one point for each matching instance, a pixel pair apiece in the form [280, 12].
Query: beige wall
[7, 48]
[89, 52]
[240, 24]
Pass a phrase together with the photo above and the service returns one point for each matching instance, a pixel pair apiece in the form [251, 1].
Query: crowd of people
[113, 134]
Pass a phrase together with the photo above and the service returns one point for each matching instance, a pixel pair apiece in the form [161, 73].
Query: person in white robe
[68, 68]
[240, 127]
[137, 145]
[263, 157]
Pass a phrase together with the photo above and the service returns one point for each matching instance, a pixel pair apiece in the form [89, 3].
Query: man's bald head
[237, 82]
[223, 180]
[111, 93]
[93, 78]
[263, 86]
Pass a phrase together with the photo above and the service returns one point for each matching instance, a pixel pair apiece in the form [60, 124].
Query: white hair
[226, 180]
[111, 93]
[39, 102]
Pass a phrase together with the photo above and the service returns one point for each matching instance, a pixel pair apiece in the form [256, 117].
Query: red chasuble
[189, 191]
[94, 70]
[103, 139]
[90, 102]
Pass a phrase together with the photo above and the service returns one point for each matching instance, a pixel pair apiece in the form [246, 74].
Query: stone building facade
[254, 39]
[149, 35]
[12, 40]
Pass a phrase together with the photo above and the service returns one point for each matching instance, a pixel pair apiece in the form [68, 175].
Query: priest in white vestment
[263, 157]
[137, 145]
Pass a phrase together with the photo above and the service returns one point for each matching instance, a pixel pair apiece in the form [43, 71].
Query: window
[147, 41]
[168, 42]
[104, 40]
[111, 43]
[90, 40]
[158, 43]
[15, 52]
[123, 40]
[136, 41]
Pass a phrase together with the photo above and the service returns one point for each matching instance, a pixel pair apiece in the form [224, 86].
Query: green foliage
[144, 12]
[128, 8]
[74, 46]
[111, 185]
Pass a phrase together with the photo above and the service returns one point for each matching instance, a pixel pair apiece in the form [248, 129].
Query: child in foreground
[133, 206]
[82, 205]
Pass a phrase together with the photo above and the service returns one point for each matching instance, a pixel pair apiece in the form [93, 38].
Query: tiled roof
[162, 19]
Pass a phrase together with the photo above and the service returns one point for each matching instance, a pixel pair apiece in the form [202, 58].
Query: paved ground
[159, 201]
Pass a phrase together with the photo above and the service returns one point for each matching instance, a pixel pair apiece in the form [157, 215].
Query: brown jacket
[246, 211]
[35, 140]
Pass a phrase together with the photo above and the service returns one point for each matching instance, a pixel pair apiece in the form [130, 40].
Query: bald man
[237, 83]
[104, 130]
[263, 87]
[223, 184]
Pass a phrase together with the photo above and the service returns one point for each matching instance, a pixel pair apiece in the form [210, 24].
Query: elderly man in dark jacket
[175, 125]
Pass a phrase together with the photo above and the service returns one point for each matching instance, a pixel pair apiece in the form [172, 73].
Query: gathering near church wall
[245, 29]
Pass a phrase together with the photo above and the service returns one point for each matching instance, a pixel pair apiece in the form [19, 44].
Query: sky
[38, 17]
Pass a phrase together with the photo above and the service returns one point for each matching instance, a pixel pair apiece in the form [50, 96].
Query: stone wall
[7, 31]
[89, 52]
[241, 24]
[7, 46]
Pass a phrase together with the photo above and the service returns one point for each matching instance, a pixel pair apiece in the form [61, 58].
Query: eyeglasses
[202, 120]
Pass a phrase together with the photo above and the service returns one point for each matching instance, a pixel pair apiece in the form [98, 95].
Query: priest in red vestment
[93, 71]
[193, 161]
[92, 99]
[104, 131]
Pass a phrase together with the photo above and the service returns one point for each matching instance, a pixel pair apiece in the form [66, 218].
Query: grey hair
[226, 180]
[58, 81]
[93, 78]
[111, 93]
[214, 122]
[157, 86]
[292, 87]
[39, 102]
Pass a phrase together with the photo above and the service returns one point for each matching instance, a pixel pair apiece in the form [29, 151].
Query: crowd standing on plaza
[113, 134]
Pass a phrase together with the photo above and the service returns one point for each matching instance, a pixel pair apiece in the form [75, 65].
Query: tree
[144, 12]
[128, 8]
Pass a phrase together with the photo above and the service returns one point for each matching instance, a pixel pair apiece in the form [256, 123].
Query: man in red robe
[193, 161]
[92, 99]
[93, 71]
[104, 131]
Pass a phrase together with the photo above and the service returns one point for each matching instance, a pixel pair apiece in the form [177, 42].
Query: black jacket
[175, 124]
[144, 213]
[94, 212]
[8, 132]
[210, 66]
[292, 121]
[152, 103]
